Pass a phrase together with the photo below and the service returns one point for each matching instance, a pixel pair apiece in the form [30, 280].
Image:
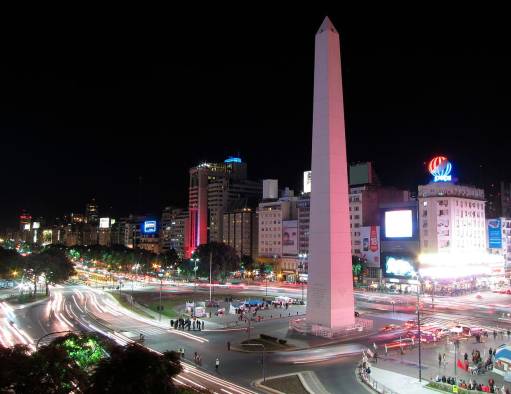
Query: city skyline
[93, 128]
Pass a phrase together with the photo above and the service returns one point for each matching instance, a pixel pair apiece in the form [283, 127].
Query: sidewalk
[384, 380]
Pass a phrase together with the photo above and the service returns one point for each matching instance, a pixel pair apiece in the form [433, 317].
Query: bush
[268, 337]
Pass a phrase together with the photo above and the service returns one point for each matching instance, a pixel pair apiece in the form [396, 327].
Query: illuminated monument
[330, 303]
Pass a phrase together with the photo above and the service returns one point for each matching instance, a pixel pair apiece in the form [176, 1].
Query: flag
[460, 364]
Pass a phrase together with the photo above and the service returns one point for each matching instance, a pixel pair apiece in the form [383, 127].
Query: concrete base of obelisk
[357, 329]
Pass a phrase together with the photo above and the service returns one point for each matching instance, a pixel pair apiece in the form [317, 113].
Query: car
[411, 323]
[389, 327]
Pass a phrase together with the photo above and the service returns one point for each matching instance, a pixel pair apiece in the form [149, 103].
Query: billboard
[371, 245]
[290, 237]
[441, 169]
[307, 181]
[36, 225]
[494, 234]
[399, 224]
[104, 222]
[149, 227]
[399, 266]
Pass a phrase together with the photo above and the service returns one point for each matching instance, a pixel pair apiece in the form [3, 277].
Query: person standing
[444, 360]
[217, 363]
[439, 360]
[202, 324]
[228, 346]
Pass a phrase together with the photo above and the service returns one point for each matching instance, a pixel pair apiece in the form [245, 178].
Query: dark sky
[108, 107]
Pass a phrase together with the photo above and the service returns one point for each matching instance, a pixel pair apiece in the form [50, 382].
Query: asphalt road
[83, 308]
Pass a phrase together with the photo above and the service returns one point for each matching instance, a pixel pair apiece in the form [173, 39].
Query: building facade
[213, 186]
[240, 231]
[451, 218]
[173, 226]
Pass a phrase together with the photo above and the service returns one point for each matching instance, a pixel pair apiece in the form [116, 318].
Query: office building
[174, 222]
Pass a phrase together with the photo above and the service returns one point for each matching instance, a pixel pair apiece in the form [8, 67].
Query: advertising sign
[399, 224]
[104, 222]
[371, 245]
[150, 226]
[494, 234]
[290, 237]
[36, 225]
[399, 266]
[440, 168]
[307, 181]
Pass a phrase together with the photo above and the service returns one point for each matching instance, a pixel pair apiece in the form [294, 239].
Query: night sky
[118, 108]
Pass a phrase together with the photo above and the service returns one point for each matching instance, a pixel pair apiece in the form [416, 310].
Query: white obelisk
[330, 300]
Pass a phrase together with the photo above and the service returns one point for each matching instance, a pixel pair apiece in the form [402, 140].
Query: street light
[160, 274]
[419, 326]
[195, 268]
[302, 257]
[262, 358]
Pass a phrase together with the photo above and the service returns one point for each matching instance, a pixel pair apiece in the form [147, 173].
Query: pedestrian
[490, 352]
[195, 355]
[439, 360]
[444, 360]
[202, 324]
[217, 363]
[375, 357]
[494, 335]
[228, 346]
[193, 325]
[465, 357]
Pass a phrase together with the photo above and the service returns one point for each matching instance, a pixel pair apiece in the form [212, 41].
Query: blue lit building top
[232, 159]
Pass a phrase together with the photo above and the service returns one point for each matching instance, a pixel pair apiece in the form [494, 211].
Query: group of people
[181, 323]
[197, 359]
[473, 385]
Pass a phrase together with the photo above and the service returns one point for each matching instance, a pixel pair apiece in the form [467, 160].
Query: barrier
[304, 327]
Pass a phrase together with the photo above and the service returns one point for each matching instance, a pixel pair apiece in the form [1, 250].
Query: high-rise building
[364, 202]
[240, 231]
[92, 212]
[278, 234]
[174, 222]
[303, 206]
[213, 186]
[452, 218]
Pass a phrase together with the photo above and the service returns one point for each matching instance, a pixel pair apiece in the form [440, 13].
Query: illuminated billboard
[149, 227]
[307, 181]
[494, 234]
[290, 237]
[399, 266]
[440, 168]
[399, 224]
[36, 225]
[104, 222]
[371, 245]
[26, 226]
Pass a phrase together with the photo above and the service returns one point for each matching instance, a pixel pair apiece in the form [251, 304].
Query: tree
[225, 259]
[52, 263]
[358, 266]
[49, 370]
[10, 261]
[135, 369]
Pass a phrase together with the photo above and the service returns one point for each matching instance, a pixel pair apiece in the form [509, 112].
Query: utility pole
[210, 269]
[419, 329]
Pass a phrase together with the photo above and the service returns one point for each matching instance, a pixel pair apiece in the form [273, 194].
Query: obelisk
[330, 300]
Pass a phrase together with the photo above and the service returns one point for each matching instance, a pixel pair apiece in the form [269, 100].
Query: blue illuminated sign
[441, 169]
[149, 226]
[232, 159]
[494, 234]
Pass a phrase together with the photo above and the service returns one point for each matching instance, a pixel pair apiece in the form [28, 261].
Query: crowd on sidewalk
[472, 384]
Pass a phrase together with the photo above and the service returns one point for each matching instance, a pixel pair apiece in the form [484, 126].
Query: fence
[304, 327]
[376, 386]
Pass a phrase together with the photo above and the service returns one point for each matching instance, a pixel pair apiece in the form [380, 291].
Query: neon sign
[150, 226]
[232, 159]
[440, 168]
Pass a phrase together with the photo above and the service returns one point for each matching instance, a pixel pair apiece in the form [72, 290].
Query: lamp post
[160, 275]
[262, 356]
[210, 265]
[195, 268]
[302, 257]
[419, 326]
